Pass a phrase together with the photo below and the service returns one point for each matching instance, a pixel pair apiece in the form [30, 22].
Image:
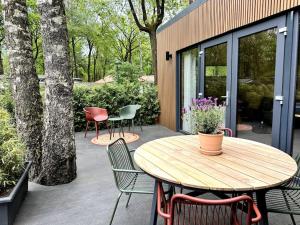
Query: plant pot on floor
[9, 205]
[211, 144]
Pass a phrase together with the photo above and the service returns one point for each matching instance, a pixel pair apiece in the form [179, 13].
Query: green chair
[285, 199]
[129, 113]
[128, 179]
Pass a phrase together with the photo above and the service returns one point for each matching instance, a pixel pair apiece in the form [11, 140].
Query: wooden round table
[244, 165]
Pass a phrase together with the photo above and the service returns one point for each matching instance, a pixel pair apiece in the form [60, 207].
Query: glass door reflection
[256, 80]
[215, 71]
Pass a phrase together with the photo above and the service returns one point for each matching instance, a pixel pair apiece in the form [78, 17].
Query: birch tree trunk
[28, 104]
[59, 154]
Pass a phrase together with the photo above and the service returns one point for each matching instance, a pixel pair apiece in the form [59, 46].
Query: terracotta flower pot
[211, 144]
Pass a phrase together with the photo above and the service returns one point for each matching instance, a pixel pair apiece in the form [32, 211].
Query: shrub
[6, 99]
[205, 115]
[11, 153]
[125, 72]
[114, 96]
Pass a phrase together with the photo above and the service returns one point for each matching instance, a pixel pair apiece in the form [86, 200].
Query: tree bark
[95, 65]
[59, 153]
[1, 61]
[153, 43]
[74, 56]
[25, 83]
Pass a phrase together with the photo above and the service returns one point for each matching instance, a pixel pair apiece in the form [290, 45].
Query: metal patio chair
[285, 199]
[95, 115]
[129, 113]
[227, 132]
[186, 210]
[128, 179]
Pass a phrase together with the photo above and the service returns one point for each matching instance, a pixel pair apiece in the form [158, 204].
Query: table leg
[261, 204]
[153, 218]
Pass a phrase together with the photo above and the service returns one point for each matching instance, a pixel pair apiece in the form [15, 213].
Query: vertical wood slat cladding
[210, 19]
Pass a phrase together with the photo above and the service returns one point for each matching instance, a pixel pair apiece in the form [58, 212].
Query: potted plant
[13, 170]
[206, 117]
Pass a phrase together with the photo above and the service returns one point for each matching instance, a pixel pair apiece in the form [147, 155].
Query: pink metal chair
[186, 210]
[227, 132]
[95, 115]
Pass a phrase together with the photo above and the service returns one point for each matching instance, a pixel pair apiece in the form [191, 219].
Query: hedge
[114, 96]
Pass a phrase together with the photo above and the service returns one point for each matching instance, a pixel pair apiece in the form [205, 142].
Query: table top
[244, 165]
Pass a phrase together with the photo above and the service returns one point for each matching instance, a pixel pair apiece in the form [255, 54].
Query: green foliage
[126, 72]
[114, 96]
[11, 153]
[6, 99]
[11, 148]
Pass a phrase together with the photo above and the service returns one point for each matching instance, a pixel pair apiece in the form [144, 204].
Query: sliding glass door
[188, 83]
[257, 93]
[215, 79]
[244, 70]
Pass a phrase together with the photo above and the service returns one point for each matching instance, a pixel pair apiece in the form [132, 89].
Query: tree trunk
[90, 44]
[74, 56]
[1, 62]
[95, 65]
[59, 153]
[141, 55]
[153, 43]
[25, 83]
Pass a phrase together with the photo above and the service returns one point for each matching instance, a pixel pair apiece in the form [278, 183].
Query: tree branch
[160, 13]
[144, 12]
[140, 26]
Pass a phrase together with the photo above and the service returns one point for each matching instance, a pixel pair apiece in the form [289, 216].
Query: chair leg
[111, 129]
[122, 128]
[107, 127]
[293, 219]
[97, 131]
[141, 126]
[116, 205]
[86, 128]
[127, 203]
[132, 122]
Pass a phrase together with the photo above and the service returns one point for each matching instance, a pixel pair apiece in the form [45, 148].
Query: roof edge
[181, 14]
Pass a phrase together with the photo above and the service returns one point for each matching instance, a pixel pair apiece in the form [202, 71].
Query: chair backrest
[227, 132]
[91, 112]
[184, 210]
[129, 111]
[120, 159]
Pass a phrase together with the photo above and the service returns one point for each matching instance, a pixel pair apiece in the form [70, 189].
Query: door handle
[279, 98]
[227, 96]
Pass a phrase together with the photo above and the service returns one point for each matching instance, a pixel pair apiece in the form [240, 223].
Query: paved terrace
[89, 199]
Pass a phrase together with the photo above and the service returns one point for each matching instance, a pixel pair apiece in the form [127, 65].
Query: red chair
[96, 115]
[227, 132]
[187, 210]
